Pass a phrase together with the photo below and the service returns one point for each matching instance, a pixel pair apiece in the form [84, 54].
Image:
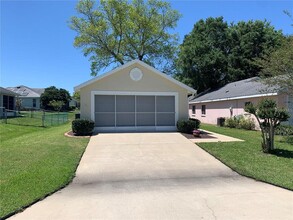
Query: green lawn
[35, 162]
[247, 158]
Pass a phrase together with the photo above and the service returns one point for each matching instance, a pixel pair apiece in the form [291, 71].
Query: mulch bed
[203, 135]
[71, 134]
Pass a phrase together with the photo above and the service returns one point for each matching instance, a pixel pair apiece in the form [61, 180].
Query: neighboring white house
[231, 99]
[134, 96]
[30, 97]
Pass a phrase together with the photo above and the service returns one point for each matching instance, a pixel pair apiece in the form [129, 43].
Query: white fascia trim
[189, 89]
[93, 93]
[234, 98]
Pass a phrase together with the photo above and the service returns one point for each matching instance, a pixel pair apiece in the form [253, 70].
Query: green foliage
[231, 122]
[240, 122]
[76, 96]
[56, 105]
[284, 130]
[203, 54]
[246, 123]
[82, 127]
[268, 117]
[117, 31]
[277, 67]
[53, 94]
[215, 53]
[187, 126]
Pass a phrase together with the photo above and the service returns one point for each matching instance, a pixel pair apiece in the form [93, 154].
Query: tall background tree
[53, 95]
[117, 31]
[215, 53]
[277, 68]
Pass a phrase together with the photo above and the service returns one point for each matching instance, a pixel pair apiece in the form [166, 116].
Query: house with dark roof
[30, 97]
[230, 100]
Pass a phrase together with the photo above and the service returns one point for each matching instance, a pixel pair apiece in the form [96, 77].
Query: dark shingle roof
[24, 91]
[240, 89]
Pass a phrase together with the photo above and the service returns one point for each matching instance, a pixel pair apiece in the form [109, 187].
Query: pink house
[231, 99]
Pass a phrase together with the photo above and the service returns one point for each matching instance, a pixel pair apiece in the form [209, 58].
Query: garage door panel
[145, 103]
[125, 103]
[165, 119]
[125, 119]
[105, 119]
[145, 119]
[165, 104]
[104, 103]
[134, 110]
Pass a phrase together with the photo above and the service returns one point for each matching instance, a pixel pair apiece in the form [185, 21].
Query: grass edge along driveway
[247, 158]
[35, 162]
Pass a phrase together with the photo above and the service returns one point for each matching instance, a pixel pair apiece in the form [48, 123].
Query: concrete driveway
[158, 176]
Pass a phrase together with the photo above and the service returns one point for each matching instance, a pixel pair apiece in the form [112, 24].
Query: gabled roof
[40, 91]
[7, 92]
[189, 89]
[248, 88]
[25, 92]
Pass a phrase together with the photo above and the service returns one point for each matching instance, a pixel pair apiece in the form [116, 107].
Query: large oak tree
[113, 32]
[215, 53]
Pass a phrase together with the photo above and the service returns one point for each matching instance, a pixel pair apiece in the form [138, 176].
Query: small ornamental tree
[56, 105]
[269, 117]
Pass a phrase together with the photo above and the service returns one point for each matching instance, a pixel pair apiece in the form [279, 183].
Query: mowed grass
[35, 162]
[248, 159]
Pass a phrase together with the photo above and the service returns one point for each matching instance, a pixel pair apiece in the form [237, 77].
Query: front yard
[247, 158]
[35, 162]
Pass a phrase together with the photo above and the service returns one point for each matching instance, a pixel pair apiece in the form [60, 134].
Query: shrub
[284, 130]
[187, 126]
[197, 122]
[82, 127]
[247, 124]
[240, 122]
[231, 122]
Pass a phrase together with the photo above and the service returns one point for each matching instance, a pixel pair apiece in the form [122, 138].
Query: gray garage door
[134, 111]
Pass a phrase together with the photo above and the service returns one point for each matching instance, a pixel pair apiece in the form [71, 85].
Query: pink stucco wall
[218, 109]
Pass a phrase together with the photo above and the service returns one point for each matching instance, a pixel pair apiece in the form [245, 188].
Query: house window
[203, 110]
[193, 109]
[34, 103]
[8, 102]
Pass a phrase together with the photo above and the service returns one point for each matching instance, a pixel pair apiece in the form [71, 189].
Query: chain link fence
[39, 118]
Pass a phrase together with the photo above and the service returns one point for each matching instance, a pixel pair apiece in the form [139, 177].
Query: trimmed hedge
[187, 126]
[82, 127]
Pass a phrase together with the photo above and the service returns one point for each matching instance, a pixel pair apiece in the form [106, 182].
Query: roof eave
[234, 98]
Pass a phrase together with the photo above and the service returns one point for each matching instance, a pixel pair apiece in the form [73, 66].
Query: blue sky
[37, 44]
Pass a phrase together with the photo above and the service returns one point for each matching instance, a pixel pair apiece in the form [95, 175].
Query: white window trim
[158, 128]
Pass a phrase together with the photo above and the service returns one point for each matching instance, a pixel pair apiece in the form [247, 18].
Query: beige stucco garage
[134, 97]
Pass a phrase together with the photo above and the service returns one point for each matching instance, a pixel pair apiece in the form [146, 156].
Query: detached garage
[134, 97]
